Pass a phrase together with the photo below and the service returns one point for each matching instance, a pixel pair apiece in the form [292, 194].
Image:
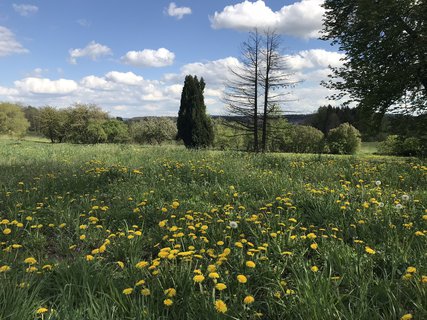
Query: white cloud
[128, 78]
[177, 12]
[8, 44]
[84, 23]
[93, 50]
[300, 19]
[46, 86]
[94, 82]
[314, 58]
[149, 58]
[25, 9]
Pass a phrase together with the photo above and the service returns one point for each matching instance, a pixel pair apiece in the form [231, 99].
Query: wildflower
[89, 257]
[314, 268]
[82, 237]
[47, 267]
[213, 275]
[211, 268]
[140, 283]
[311, 236]
[220, 306]
[171, 292]
[30, 260]
[127, 291]
[242, 279]
[4, 268]
[248, 300]
[142, 264]
[370, 250]
[314, 246]
[42, 310]
[250, 264]
[378, 183]
[399, 206]
[233, 224]
[120, 264]
[198, 278]
[7, 231]
[423, 279]
[411, 269]
[220, 286]
[406, 316]
[167, 302]
[145, 292]
[405, 197]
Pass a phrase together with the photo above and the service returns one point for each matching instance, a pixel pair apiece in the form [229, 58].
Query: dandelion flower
[250, 264]
[167, 302]
[89, 257]
[4, 268]
[248, 300]
[220, 306]
[314, 246]
[411, 269]
[242, 279]
[42, 310]
[198, 278]
[406, 316]
[399, 206]
[7, 231]
[142, 264]
[213, 275]
[405, 197]
[314, 268]
[120, 264]
[220, 286]
[370, 250]
[30, 260]
[378, 183]
[171, 292]
[127, 291]
[145, 292]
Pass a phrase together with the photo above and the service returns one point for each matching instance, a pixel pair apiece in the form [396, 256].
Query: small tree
[345, 139]
[194, 126]
[53, 123]
[12, 120]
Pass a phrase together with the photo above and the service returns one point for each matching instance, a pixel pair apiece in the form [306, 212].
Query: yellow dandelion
[220, 306]
[220, 286]
[7, 231]
[4, 268]
[198, 278]
[314, 246]
[89, 257]
[145, 292]
[127, 291]
[42, 310]
[242, 279]
[167, 302]
[141, 264]
[248, 300]
[213, 275]
[250, 264]
[369, 250]
[314, 268]
[171, 292]
[30, 260]
[406, 316]
[411, 269]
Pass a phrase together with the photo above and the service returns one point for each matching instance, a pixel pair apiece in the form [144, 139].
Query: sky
[130, 57]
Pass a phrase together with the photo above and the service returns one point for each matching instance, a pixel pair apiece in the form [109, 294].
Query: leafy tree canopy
[386, 46]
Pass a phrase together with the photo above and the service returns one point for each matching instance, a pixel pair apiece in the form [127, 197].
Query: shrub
[306, 139]
[345, 139]
[12, 120]
[153, 130]
[227, 137]
[400, 146]
[116, 131]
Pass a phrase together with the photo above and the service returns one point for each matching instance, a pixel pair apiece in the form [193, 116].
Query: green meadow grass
[106, 231]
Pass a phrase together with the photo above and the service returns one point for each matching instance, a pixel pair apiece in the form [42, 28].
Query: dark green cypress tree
[194, 126]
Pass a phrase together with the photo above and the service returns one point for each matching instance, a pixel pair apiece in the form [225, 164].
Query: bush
[399, 146]
[116, 131]
[226, 137]
[12, 120]
[306, 139]
[345, 139]
[153, 130]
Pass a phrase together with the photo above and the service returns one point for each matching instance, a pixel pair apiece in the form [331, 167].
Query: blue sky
[130, 57]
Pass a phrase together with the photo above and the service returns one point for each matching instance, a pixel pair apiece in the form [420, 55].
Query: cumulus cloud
[177, 12]
[46, 86]
[93, 50]
[8, 44]
[315, 58]
[149, 58]
[128, 78]
[301, 19]
[25, 10]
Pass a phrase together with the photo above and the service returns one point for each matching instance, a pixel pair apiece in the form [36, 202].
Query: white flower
[398, 206]
[405, 197]
[378, 183]
[381, 204]
[233, 224]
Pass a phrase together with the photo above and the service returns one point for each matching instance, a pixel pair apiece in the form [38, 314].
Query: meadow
[133, 232]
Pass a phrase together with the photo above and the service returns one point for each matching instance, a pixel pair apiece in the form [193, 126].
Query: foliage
[306, 139]
[117, 131]
[345, 139]
[342, 238]
[194, 126]
[384, 42]
[153, 130]
[401, 146]
[53, 123]
[12, 120]
[227, 137]
[32, 114]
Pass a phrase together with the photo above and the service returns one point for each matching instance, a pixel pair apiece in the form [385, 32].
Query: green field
[131, 232]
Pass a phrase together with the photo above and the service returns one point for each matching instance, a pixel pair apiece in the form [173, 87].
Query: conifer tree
[194, 126]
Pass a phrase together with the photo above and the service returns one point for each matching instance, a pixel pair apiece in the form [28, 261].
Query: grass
[325, 238]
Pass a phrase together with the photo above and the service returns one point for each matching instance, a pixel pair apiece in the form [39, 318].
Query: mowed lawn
[134, 232]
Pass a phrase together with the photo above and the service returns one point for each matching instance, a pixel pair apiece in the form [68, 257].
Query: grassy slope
[122, 190]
